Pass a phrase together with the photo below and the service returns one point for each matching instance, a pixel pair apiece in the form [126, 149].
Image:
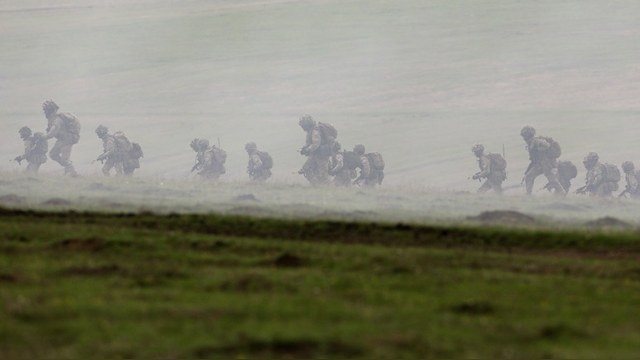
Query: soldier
[492, 167]
[567, 171]
[35, 150]
[66, 129]
[209, 159]
[371, 167]
[112, 157]
[602, 179]
[631, 176]
[132, 160]
[260, 163]
[343, 166]
[320, 138]
[543, 153]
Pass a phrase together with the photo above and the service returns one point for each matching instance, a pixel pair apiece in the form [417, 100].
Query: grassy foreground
[78, 285]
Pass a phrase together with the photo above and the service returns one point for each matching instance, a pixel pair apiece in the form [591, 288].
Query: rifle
[195, 166]
[582, 190]
[526, 172]
[625, 192]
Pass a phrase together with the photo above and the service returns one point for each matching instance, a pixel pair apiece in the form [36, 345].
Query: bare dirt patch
[57, 202]
[609, 223]
[245, 197]
[474, 308]
[290, 349]
[503, 217]
[89, 244]
[12, 199]
[287, 260]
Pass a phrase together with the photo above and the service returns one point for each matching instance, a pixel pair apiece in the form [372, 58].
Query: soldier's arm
[256, 161]
[53, 128]
[316, 141]
[339, 164]
[632, 183]
[366, 167]
[485, 168]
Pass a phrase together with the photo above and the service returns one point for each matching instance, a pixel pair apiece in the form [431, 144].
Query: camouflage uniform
[257, 170]
[209, 160]
[61, 151]
[369, 175]
[596, 181]
[494, 177]
[631, 176]
[35, 150]
[316, 168]
[132, 160]
[541, 162]
[342, 173]
[111, 155]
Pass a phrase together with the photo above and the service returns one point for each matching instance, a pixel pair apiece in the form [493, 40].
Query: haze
[418, 81]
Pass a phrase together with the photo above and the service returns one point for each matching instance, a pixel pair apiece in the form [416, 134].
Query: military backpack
[498, 163]
[267, 161]
[567, 170]
[376, 161]
[136, 151]
[123, 145]
[611, 173]
[71, 126]
[554, 150]
[328, 132]
[351, 160]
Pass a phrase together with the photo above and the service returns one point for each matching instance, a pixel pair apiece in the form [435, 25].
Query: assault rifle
[624, 193]
[582, 190]
[526, 172]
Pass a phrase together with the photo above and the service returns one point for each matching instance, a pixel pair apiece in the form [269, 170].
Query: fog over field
[418, 81]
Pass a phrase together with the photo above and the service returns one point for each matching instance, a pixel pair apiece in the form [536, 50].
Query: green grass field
[79, 285]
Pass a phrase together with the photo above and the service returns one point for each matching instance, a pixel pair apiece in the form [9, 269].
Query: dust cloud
[420, 82]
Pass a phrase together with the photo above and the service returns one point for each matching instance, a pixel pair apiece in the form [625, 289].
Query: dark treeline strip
[349, 232]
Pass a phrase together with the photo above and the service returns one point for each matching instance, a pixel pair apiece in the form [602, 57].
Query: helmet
[359, 149]
[591, 159]
[477, 149]
[24, 132]
[194, 144]
[203, 144]
[306, 121]
[49, 107]
[527, 132]
[628, 166]
[251, 146]
[102, 130]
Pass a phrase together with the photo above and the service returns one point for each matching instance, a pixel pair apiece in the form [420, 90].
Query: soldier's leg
[65, 155]
[119, 166]
[530, 178]
[55, 153]
[108, 165]
[322, 170]
[496, 185]
[551, 173]
[32, 168]
[486, 186]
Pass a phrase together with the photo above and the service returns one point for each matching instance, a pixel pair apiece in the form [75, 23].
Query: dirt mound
[288, 260]
[504, 217]
[609, 222]
[99, 187]
[57, 202]
[89, 244]
[12, 199]
[245, 197]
